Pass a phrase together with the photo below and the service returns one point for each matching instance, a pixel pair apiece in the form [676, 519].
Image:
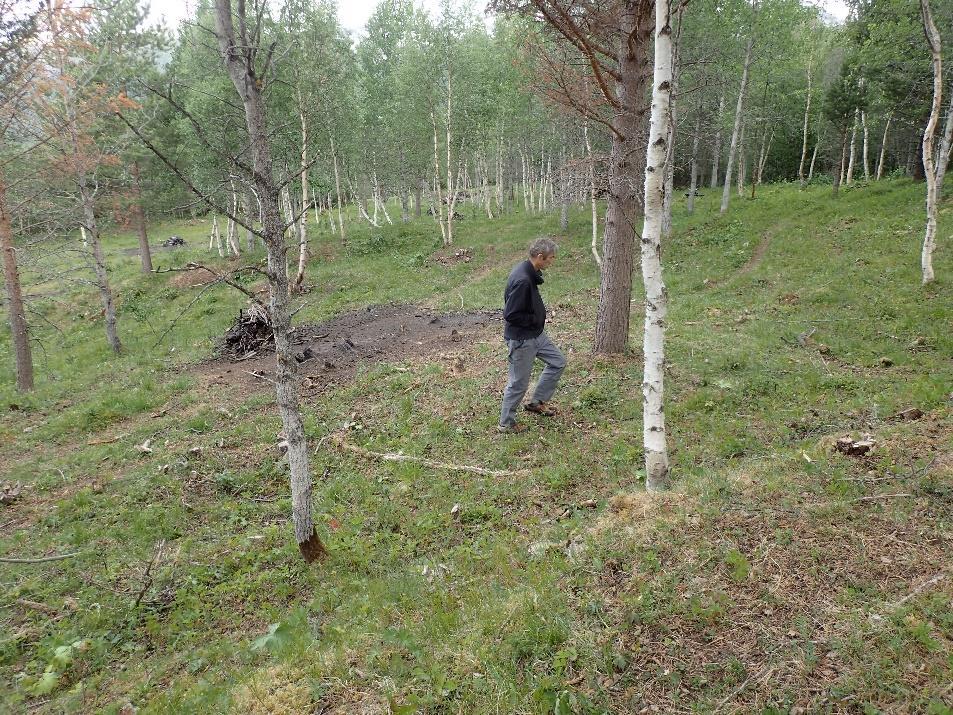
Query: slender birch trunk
[810, 172]
[883, 148]
[592, 195]
[232, 236]
[302, 221]
[930, 168]
[943, 158]
[241, 69]
[807, 116]
[839, 175]
[251, 201]
[217, 236]
[863, 124]
[337, 187]
[438, 209]
[736, 131]
[16, 312]
[656, 299]
[450, 193]
[693, 182]
[853, 148]
[742, 161]
[139, 218]
[716, 151]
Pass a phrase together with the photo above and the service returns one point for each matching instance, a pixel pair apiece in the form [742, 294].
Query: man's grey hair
[542, 247]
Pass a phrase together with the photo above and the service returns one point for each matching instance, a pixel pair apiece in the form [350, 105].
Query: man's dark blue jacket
[523, 308]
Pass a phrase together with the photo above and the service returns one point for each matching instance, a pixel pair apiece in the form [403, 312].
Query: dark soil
[330, 352]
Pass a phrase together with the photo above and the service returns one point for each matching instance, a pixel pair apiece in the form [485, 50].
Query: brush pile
[250, 333]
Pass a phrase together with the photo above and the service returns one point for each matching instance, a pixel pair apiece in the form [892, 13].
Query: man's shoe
[515, 428]
[541, 408]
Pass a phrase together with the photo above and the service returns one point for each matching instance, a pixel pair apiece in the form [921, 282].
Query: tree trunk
[853, 148]
[139, 218]
[337, 189]
[438, 209]
[883, 148]
[99, 265]
[742, 161]
[863, 124]
[810, 172]
[930, 169]
[838, 175]
[302, 221]
[418, 197]
[592, 194]
[241, 69]
[563, 196]
[22, 355]
[626, 171]
[716, 151]
[656, 299]
[251, 202]
[807, 116]
[736, 131]
[943, 157]
[693, 182]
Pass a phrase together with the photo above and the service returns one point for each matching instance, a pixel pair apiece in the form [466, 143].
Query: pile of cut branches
[250, 333]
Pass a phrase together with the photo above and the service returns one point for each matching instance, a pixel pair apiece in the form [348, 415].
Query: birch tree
[929, 163]
[656, 299]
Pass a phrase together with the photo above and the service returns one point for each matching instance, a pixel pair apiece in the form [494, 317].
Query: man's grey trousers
[521, 357]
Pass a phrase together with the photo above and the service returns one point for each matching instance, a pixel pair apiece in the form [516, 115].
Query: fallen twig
[398, 457]
[877, 497]
[919, 589]
[260, 377]
[147, 574]
[41, 560]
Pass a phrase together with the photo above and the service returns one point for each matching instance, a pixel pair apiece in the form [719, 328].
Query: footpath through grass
[780, 575]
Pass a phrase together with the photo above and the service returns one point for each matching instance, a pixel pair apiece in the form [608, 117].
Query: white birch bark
[302, 221]
[853, 148]
[438, 209]
[592, 195]
[943, 157]
[807, 116]
[736, 131]
[863, 124]
[883, 148]
[930, 168]
[810, 172]
[716, 151]
[653, 409]
[337, 188]
[693, 181]
[742, 161]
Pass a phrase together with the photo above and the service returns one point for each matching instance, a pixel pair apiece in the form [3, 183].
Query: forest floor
[487, 573]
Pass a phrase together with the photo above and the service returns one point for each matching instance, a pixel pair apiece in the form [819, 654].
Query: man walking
[525, 317]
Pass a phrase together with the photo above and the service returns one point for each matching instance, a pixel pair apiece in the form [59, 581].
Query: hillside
[780, 575]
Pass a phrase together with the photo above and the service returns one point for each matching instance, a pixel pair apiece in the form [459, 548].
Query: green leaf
[46, 684]
[279, 634]
[62, 657]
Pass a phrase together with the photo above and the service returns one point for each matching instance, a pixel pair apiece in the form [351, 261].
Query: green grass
[766, 578]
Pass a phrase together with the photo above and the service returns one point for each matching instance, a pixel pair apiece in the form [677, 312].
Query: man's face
[546, 261]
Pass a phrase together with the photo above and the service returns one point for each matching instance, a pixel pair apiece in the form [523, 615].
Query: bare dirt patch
[330, 352]
[192, 279]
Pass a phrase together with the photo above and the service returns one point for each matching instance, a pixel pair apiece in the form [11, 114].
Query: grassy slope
[766, 581]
